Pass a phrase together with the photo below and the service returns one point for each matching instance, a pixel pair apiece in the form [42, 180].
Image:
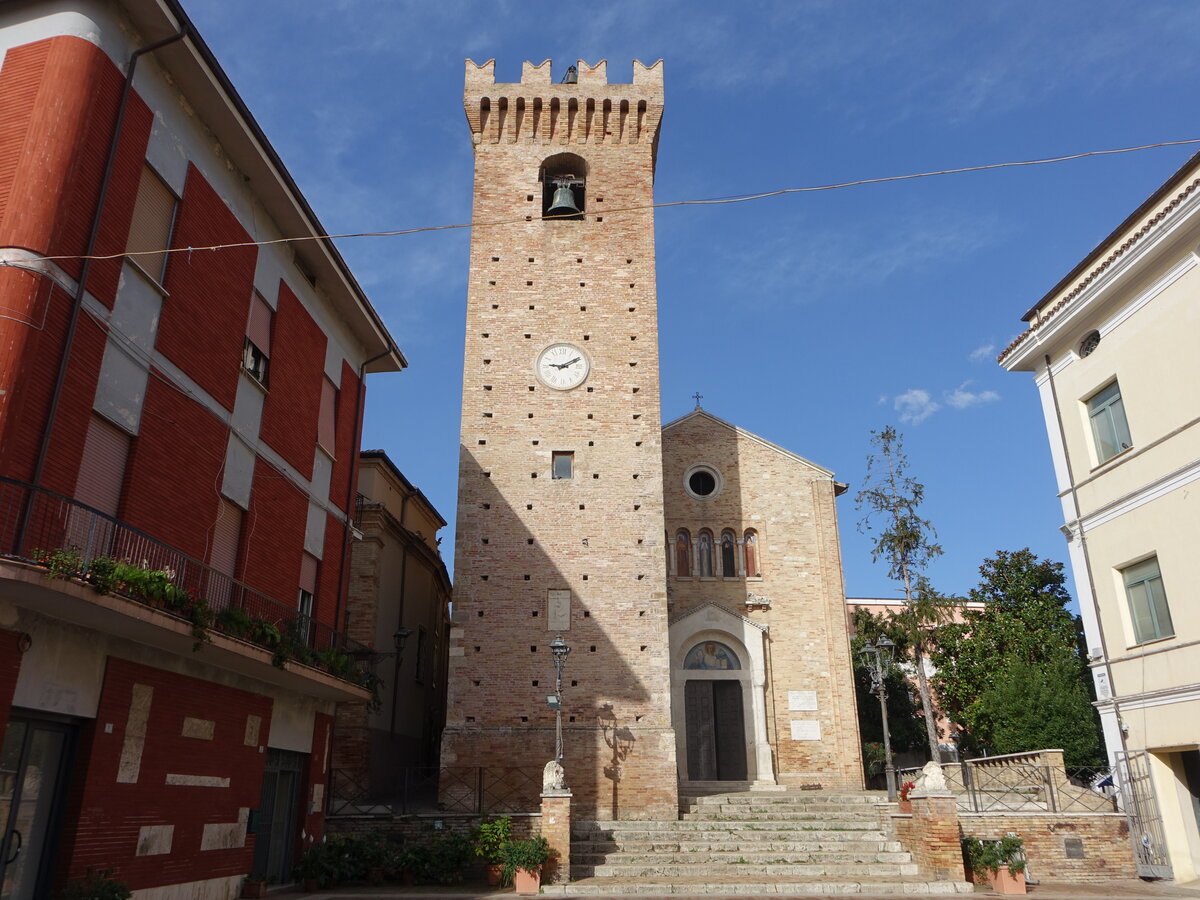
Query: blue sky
[808, 319]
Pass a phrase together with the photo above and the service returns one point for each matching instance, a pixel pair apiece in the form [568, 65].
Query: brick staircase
[751, 842]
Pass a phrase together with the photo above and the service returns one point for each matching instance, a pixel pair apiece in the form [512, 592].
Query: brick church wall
[790, 504]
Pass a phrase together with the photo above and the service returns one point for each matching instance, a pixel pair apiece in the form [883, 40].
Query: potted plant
[522, 863]
[905, 790]
[254, 887]
[412, 861]
[1002, 861]
[489, 836]
[316, 868]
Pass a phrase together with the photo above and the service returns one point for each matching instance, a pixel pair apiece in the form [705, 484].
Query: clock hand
[571, 363]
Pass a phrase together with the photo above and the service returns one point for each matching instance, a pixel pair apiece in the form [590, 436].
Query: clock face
[562, 366]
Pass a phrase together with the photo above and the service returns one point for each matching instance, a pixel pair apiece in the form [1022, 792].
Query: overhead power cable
[713, 201]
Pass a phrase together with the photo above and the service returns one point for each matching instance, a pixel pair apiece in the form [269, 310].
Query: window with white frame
[308, 590]
[1110, 430]
[1148, 609]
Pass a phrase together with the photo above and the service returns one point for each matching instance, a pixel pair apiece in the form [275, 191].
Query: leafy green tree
[1023, 639]
[891, 499]
[1033, 706]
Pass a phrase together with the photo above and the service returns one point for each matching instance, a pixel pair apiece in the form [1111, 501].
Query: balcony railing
[72, 540]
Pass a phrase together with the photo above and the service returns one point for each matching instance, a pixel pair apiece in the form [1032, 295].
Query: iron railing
[74, 540]
[469, 790]
[1019, 786]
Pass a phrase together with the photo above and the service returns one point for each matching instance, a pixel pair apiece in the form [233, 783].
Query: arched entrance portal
[714, 714]
[718, 703]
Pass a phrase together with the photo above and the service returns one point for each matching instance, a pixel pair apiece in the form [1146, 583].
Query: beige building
[398, 586]
[1112, 348]
[735, 669]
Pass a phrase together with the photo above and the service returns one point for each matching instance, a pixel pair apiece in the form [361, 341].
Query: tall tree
[1023, 641]
[891, 500]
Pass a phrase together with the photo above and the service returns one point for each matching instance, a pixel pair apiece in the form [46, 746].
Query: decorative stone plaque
[558, 610]
[802, 700]
[806, 730]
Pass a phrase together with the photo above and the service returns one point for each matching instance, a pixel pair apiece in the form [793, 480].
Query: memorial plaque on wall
[806, 730]
[558, 610]
[802, 700]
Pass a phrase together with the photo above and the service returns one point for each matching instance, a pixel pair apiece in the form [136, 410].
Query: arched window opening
[752, 569]
[706, 554]
[711, 655]
[728, 554]
[564, 187]
[683, 554]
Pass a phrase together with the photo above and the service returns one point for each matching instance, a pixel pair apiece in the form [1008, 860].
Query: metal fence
[42, 527]
[1019, 786]
[470, 790]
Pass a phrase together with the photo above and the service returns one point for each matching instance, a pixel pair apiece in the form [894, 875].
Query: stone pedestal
[556, 829]
[935, 836]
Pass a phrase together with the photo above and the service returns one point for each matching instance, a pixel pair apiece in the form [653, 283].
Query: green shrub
[529, 854]
[990, 855]
[97, 885]
[489, 835]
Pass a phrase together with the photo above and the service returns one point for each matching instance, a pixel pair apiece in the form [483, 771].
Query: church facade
[692, 570]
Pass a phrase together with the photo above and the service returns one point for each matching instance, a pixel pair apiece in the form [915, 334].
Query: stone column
[936, 839]
[556, 829]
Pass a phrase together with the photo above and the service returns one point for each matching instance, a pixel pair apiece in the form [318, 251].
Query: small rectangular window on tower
[562, 464]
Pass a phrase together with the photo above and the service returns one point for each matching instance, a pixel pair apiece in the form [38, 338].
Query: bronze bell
[563, 203]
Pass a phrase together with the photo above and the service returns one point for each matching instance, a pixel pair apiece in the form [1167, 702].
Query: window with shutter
[257, 353]
[153, 221]
[327, 424]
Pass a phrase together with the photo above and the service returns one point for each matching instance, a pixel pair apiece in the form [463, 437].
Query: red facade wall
[58, 100]
[316, 781]
[174, 471]
[347, 439]
[274, 535]
[203, 324]
[109, 814]
[293, 404]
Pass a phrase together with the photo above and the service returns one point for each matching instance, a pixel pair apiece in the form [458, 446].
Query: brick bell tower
[560, 510]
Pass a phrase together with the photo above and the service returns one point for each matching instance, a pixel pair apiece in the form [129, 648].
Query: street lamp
[559, 648]
[878, 658]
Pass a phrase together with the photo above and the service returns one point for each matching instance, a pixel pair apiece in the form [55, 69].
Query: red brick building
[178, 437]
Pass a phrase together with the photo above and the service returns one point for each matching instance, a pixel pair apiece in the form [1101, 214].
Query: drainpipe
[340, 613]
[85, 270]
[1087, 561]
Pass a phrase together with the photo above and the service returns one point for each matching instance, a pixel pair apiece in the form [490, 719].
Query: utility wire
[713, 201]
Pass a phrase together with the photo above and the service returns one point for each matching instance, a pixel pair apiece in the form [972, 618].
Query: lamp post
[559, 648]
[399, 638]
[878, 657]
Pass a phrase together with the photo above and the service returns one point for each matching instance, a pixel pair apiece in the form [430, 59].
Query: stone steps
[764, 871]
[748, 843]
[718, 845]
[662, 887]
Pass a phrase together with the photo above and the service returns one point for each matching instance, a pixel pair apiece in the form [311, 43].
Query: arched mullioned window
[728, 554]
[752, 565]
[705, 546]
[683, 553]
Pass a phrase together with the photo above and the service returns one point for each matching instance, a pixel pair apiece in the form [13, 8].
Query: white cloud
[982, 353]
[915, 406]
[961, 398]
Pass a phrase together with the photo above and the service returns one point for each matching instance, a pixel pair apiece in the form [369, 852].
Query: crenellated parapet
[588, 110]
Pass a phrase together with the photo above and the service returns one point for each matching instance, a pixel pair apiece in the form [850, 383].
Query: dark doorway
[279, 815]
[716, 731]
[33, 767]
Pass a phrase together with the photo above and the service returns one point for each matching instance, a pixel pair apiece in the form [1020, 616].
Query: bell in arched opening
[562, 205]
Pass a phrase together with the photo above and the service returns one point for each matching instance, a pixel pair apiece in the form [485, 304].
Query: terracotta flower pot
[528, 881]
[905, 806]
[1006, 882]
[254, 890]
[493, 871]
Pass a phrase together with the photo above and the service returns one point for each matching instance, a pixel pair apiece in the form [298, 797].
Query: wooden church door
[716, 730]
